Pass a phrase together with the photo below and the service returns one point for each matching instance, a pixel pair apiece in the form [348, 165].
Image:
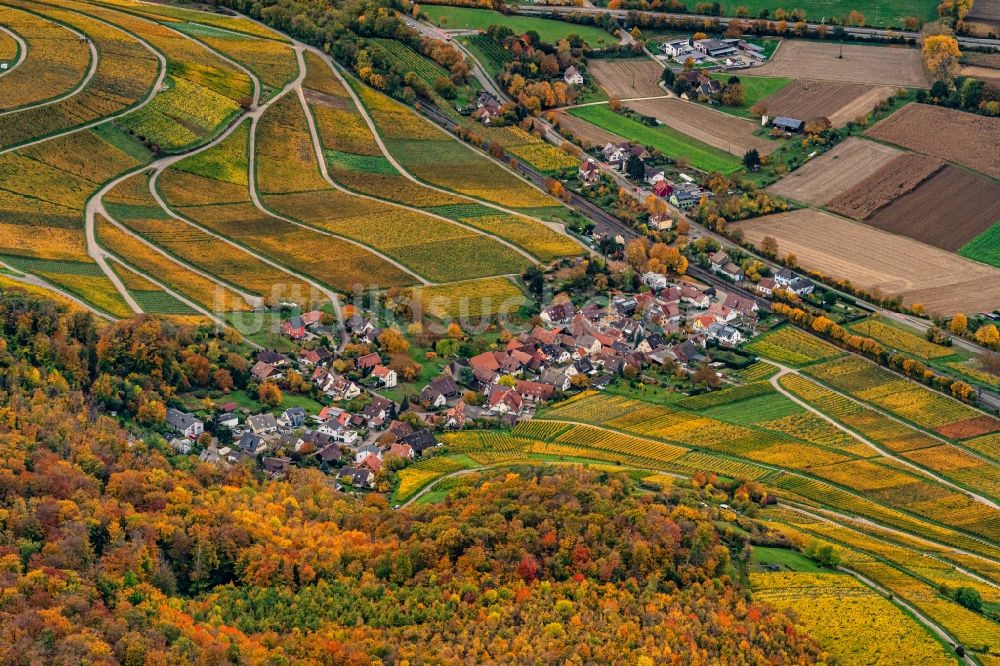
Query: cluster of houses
[683, 193]
[674, 322]
[785, 279]
[728, 53]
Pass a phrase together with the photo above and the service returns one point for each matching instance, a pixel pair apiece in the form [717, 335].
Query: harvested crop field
[947, 210]
[720, 130]
[836, 170]
[840, 102]
[624, 79]
[876, 65]
[870, 257]
[585, 132]
[899, 176]
[956, 136]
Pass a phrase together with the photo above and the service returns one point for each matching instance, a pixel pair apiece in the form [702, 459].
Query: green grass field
[985, 247]
[755, 88]
[465, 18]
[666, 140]
[785, 558]
[883, 13]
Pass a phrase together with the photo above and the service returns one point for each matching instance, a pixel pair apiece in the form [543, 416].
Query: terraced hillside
[901, 482]
[198, 163]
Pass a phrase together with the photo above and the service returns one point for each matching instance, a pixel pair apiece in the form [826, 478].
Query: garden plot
[835, 171]
[870, 258]
[821, 61]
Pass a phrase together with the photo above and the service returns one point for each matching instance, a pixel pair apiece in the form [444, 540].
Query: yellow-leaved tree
[941, 54]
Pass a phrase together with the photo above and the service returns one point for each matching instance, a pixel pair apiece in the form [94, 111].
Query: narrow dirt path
[75, 90]
[785, 370]
[22, 50]
[35, 281]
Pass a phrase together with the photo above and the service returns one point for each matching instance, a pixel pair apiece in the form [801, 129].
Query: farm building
[788, 124]
[716, 48]
[676, 48]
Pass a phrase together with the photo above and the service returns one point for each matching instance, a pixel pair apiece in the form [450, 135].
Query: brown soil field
[725, 132]
[840, 102]
[947, 210]
[869, 257]
[979, 425]
[840, 168]
[986, 12]
[894, 179]
[624, 79]
[955, 136]
[587, 132]
[876, 65]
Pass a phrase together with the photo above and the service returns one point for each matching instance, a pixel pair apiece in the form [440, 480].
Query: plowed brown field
[625, 79]
[725, 132]
[587, 133]
[877, 65]
[840, 102]
[956, 136]
[947, 210]
[836, 170]
[896, 178]
[870, 257]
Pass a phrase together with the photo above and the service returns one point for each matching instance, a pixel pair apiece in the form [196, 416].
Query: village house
[404, 451]
[676, 48]
[185, 424]
[272, 358]
[386, 376]
[487, 108]
[572, 76]
[276, 468]
[726, 336]
[251, 444]
[420, 441]
[227, 420]
[455, 417]
[653, 175]
[262, 424]
[655, 281]
[294, 328]
[765, 287]
[589, 173]
[263, 372]
[357, 477]
[315, 357]
[367, 363]
[293, 417]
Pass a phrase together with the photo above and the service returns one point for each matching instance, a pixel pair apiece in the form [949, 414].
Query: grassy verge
[663, 138]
